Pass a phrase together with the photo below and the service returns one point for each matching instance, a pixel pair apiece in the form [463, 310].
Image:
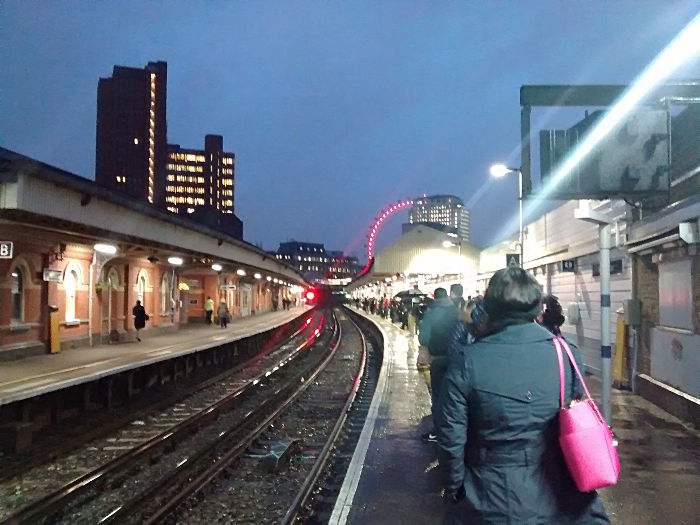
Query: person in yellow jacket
[209, 309]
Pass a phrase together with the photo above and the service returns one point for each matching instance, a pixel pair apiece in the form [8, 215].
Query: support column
[605, 349]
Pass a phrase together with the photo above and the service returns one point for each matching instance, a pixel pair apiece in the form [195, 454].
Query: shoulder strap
[573, 362]
[560, 359]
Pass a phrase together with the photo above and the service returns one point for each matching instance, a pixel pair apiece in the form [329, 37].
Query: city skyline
[339, 110]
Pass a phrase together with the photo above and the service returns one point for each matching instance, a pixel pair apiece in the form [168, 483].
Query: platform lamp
[501, 170]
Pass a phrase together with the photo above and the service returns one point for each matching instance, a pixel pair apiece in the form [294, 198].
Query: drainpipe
[91, 292]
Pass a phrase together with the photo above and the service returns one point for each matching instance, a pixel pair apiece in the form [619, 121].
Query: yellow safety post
[54, 334]
[620, 351]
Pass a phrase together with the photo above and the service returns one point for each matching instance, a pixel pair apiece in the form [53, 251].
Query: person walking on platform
[434, 332]
[209, 309]
[140, 318]
[497, 432]
[223, 314]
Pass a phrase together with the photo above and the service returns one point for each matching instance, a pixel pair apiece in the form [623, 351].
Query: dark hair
[513, 291]
[456, 289]
[439, 292]
[552, 316]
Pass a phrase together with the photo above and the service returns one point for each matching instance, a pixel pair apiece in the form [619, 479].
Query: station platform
[394, 478]
[37, 375]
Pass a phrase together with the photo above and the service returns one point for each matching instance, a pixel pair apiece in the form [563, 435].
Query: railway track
[273, 451]
[80, 471]
[311, 443]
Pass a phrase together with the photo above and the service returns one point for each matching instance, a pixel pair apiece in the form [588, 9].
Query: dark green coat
[498, 432]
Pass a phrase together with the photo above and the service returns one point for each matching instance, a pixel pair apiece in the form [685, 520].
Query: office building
[445, 212]
[131, 136]
[317, 264]
[200, 184]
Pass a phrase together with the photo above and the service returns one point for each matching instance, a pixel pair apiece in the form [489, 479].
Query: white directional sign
[5, 249]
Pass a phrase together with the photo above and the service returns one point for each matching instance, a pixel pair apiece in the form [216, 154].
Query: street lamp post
[500, 170]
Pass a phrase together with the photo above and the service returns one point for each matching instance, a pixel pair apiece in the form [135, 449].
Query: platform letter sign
[5, 249]
[568, 265]
[512, 259]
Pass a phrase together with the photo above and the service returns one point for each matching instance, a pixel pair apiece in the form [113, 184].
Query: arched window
[17, 294]
[142, 290]
[70, 283]
[166, 292]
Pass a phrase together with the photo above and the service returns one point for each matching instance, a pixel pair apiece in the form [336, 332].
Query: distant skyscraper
[445, 210]
[131, 131]
[200, 178]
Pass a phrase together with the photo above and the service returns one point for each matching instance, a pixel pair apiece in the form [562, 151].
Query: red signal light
[310, 295]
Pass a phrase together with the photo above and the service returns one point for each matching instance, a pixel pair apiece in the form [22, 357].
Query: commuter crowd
[494, 381]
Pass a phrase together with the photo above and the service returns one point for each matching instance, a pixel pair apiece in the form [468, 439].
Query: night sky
[334, 109]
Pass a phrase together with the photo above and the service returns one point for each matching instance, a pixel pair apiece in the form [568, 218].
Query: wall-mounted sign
[5, 249]
[227, 287]
[55, 276]
[568, 265]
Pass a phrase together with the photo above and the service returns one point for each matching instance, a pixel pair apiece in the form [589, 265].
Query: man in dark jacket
[435, 332]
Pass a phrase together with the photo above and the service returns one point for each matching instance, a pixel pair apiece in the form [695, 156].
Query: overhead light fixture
[269, 278]
[240, 272]
[109, 249]
[216, 267]
[257, 276]
[275, 280]
[177, 261]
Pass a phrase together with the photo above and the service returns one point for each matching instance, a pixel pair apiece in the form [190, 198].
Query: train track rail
[311, 443]
[166, 429]
[274, 452]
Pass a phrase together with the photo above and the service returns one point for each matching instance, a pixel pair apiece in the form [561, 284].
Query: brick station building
[63, 227]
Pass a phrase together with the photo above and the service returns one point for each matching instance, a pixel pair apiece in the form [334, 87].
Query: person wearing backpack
[498, 433]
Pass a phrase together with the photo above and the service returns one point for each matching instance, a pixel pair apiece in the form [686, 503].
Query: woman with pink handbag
[498, 430]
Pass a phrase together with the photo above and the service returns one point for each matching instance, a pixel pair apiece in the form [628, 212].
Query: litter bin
[54, 335]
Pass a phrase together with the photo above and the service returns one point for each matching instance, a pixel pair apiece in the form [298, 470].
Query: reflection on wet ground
[660, 464]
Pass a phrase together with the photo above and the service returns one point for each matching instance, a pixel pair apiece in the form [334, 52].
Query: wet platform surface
[397, 484]
[36, 375]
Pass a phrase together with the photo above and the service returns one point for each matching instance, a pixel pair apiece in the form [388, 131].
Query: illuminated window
[136, 141]
[142, 290]
[70, 283]
[17, 294]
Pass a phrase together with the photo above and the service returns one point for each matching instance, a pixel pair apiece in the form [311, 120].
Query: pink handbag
[584, 437]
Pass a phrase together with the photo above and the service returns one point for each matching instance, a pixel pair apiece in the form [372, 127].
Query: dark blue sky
[333, 109]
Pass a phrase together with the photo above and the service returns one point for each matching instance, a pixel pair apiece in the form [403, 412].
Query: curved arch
[385, 214]
[75, 267]
[25, 265]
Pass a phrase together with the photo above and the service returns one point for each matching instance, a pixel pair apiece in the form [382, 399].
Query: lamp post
[500, 170]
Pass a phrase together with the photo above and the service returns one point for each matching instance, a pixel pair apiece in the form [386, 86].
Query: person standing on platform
[434, 332]
[497, 432]
[223, 314]
[140, 318]
[209, 309]
[456, 294]
[552, 317]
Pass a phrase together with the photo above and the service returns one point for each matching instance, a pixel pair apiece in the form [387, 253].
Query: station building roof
[37, 194]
